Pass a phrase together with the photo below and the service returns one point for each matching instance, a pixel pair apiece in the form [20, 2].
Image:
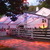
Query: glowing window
[43, 20]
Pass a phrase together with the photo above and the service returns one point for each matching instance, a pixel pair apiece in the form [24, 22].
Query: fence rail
[35, 33]
[31, 33]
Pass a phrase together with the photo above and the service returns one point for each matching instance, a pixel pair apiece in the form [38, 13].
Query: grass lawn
[2, 47]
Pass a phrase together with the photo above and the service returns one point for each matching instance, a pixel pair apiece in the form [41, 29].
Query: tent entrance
[21, 26]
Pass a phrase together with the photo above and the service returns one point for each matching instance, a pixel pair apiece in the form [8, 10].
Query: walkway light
[43, 26]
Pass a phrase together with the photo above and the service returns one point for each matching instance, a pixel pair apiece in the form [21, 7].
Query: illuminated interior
[43, 26]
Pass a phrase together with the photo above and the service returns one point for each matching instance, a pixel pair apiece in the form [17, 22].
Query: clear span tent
[30, 20]
[4, 22]
[44, 12]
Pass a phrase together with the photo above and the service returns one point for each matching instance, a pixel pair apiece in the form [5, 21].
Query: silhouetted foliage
[15, 6]
[45, 3]
[3, 8]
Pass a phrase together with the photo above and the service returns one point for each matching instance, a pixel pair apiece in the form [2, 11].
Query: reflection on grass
[2, 47]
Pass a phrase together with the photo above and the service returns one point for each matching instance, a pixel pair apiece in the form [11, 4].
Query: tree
[45, 3]
[48, 2]
[32, 8]
[3, 8]
[16, 6]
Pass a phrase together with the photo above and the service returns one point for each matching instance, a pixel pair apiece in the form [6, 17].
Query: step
[41, 37]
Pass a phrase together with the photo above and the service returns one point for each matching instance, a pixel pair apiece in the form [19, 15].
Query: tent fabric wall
[4, 22]
[3, 26]
[36, 23]
[3, 33]
[30, 20]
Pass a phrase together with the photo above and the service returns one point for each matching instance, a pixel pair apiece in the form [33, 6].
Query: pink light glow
[3, 19]
[26, 45]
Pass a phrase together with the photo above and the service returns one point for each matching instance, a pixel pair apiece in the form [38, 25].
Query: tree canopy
[45, 3]
[15, 6]
[3, 8]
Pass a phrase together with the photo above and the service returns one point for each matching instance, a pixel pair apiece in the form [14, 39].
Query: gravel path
[23, 44]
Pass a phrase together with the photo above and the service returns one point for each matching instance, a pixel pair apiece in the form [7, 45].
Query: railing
[32, 33]
[35, 33]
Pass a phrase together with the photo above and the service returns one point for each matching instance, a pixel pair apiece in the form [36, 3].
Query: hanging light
[14, 18]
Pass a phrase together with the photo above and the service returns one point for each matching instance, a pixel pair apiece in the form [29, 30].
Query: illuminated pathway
[25, 45]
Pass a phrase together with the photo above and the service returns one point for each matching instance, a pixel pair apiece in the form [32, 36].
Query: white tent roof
[44, 12]
[21, 19]
[7, 20]
[18, 21]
